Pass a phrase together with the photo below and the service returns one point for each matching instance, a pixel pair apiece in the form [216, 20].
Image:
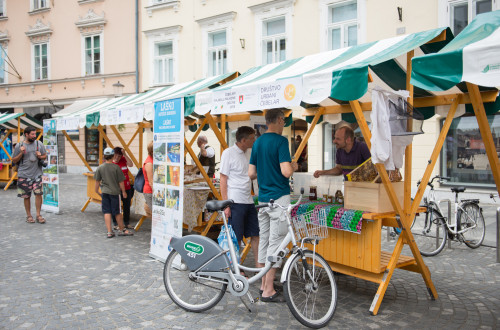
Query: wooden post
[303, 143]
[222, 130]
[485, 130]
[409, 148]
[135, 134]
[360, 118]
[129, 153]
[202, 170]
[195, 136]
[213, 125]
[104, 136]
[141, 141]
[434, 156]
[77, 151]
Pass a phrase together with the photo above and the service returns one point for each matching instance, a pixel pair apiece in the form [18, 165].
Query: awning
[134, 108]
[9, 121]
[324, 79]
[473, 56]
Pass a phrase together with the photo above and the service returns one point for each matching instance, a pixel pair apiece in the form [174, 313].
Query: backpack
[139, 181]
[15, 166]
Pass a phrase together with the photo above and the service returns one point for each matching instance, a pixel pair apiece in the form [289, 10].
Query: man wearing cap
[109, 177]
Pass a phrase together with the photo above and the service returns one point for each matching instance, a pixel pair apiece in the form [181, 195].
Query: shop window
[40, 61]
[299, 129]
[462, 12]
[92, 54]
[163, 63]
[273, 41]
[342, 25]
[463, 157]
[217, 53]
[2, 8]
[92, 146]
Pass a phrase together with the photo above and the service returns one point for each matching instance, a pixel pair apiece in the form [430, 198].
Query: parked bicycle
[198, 272]
[431, 229]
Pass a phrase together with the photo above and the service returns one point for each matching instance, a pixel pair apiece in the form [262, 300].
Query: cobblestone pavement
[67, 274]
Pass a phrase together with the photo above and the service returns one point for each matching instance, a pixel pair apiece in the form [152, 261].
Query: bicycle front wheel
[191, 294]
[312, 304]
[471, 219]
[429, 231]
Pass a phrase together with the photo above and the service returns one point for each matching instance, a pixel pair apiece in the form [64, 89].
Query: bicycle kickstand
[252, 301]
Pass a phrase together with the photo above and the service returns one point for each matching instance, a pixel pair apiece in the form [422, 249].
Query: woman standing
[147, 169]
[124, 163]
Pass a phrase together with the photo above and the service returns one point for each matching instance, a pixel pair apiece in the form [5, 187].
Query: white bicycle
[198, 272]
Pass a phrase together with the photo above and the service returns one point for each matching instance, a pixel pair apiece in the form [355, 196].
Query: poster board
[50, 175]
[168, 174]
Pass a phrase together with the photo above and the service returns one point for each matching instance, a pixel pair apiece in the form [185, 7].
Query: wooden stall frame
[403, 214]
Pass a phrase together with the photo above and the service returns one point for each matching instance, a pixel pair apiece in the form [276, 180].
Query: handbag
[224, 244]
[139, 181]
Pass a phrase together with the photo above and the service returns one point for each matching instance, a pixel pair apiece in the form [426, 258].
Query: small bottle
[313, 195]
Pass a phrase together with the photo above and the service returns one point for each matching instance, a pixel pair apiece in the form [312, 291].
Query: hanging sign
[50, 173]
[168, 174]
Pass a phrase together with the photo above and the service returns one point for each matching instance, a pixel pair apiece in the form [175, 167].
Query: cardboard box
[371, 197]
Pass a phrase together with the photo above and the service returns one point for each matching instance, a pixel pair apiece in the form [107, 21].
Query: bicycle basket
[404, 119]
[310, 224]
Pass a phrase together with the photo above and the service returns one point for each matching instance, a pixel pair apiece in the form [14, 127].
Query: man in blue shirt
[350, 153]
[270, 164]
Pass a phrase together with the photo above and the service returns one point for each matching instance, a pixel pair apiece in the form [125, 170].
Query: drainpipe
[137, 46]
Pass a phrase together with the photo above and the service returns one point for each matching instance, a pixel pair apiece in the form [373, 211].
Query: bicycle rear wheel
[312, 306]
[473, 219]
[191, 294]
[429, 232]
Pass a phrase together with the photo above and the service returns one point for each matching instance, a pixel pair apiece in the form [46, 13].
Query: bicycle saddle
[458, 189]
[215, 205]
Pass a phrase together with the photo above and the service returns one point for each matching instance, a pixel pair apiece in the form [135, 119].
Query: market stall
[12, 123]
[137, 109]
[332, 86]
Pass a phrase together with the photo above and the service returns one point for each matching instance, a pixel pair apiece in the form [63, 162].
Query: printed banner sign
[70, 123]
[168, 174]
[124, 115]
[50, 176]
[275, 94]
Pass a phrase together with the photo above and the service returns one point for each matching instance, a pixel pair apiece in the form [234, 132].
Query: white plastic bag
[224, 244]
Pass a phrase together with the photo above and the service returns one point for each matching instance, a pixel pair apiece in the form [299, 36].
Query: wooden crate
[371, 197]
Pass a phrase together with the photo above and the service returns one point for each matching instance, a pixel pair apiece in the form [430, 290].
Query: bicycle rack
[449, 219]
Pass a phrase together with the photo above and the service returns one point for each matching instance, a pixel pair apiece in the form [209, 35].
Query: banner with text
[168, 174]
[50, 176]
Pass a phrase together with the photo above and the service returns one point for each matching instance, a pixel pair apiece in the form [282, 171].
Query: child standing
[110, 178]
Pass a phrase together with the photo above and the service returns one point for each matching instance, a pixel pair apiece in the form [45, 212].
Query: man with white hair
[206, 155]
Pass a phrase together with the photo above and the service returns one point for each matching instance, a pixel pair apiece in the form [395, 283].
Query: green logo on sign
[491, 67]
[193, 247]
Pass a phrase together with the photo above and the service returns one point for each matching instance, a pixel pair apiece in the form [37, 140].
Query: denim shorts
[244, 220]
[111, 204]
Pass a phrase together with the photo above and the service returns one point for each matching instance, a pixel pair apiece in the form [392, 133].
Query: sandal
[29, 219]
[277, 297]
[110, 235]
[125, 233]
[40, 219]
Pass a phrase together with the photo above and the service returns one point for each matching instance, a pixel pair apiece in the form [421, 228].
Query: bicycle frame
[452, 227]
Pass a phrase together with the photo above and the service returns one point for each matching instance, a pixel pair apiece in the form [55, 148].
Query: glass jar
[313, 194]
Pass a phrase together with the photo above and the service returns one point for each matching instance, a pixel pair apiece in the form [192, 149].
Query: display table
[360, 254]
[91, 194]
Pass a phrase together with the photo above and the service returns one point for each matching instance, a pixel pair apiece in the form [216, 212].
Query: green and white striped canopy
[133, 108]
[9, 121]
[473, 56]
[324, 79]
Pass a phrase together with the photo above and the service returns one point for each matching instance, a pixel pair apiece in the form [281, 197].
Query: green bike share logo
[193, 247]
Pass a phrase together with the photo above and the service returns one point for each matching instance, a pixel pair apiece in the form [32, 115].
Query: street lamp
[118, 89]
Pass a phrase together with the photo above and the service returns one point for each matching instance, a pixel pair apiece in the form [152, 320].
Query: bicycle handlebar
[430, 183]
[272, 203]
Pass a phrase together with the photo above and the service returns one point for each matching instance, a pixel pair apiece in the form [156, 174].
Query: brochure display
[168, 169]
[50, 177]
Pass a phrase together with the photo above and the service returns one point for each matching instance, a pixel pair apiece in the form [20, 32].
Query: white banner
[50, 176]
[69, 123]
[125, 115]
[481, 61]
[168, 175]
[275, 94]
